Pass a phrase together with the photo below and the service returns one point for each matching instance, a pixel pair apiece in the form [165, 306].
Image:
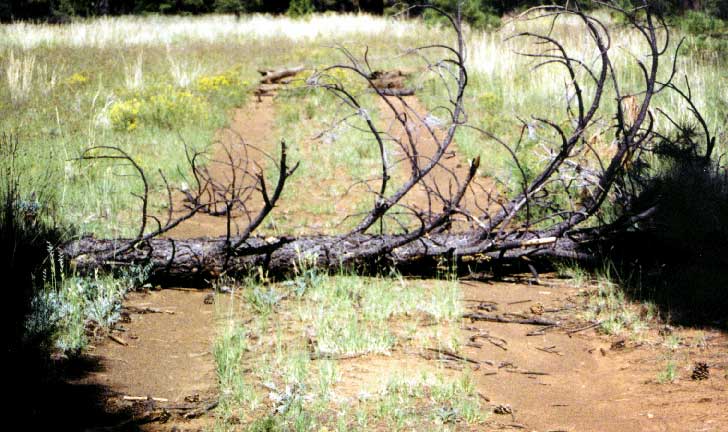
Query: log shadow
[54, 395]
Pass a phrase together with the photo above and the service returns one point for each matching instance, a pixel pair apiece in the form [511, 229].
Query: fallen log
[274, 76]
[197, 262]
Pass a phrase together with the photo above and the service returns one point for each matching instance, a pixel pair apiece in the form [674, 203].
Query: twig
[503, 319]
[144, 398]
[143, 310]
[118, 340]
[541, 331]
[590, 326]
[550, 350]
[449, 353]
[527, 372]
[519, 302]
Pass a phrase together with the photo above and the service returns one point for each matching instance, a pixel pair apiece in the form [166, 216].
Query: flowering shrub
[77, 79]
[207, 84]
[169, 107]
[162, 106]
[124, 115]
[226, 85]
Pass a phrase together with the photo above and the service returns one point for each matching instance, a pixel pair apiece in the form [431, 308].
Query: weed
[19, 73]
[672, 342]
[669, 373]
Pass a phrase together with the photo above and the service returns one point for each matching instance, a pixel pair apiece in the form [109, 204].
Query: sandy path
[590, 387]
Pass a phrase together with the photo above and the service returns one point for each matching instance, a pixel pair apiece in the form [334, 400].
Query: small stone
[618, 345]
[209, 299]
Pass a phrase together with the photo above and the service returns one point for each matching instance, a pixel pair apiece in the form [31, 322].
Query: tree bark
[197, 262]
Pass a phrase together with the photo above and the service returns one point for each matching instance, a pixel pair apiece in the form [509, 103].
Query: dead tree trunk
[196, 262]
[554, 212]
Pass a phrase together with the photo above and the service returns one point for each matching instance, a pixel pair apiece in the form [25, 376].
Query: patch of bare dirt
[587, 381]
[164, 357]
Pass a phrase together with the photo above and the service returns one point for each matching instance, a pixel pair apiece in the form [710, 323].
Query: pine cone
[503, 409]
[537, 309]
[701, 371]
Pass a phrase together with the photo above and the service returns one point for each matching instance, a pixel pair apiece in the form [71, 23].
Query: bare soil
[586, 382]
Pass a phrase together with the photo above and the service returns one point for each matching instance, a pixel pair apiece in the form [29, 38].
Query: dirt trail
[452, 166]
[165, 355]
[253, 124]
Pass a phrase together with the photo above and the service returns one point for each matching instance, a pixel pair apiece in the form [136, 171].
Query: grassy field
[114, 82]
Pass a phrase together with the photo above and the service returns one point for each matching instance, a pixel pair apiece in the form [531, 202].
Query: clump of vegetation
[27, 230]
[340, 317]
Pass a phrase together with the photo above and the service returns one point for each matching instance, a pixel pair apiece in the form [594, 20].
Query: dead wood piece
[118, 340]
[541, 331]
[144, 310]
[274, 76]
[507, 320]
[499, 342]
[448, 353]
[550, 350]
[144, 398]
[518, 302]
[396, 91]
[487, 306]
[198, 412]
[522, 372]
[329, 356]
[586, 327]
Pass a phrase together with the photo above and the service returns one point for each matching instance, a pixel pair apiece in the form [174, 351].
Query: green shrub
[298, 8]
[478, 13]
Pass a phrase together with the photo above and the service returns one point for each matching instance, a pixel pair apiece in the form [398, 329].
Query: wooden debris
[550, 350]
[448, 353]
[499, 342]
[118, 340]
[518, 302]
[275, 76]
[396, 92]
[487, 306]
[587, 327]
[144, 398]
[522, 372]
[144, 310]
[505, 319]
[541, 331]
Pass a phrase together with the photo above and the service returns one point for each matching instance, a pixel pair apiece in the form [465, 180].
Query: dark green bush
[681, 250]
[26, 233]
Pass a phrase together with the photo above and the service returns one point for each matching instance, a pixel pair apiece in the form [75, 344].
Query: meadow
[157, 86]
[116, 82]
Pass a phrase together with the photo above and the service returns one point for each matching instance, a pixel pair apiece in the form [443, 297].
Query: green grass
[287, 358]
[669, 372]
[64, 92]
[72, 310]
